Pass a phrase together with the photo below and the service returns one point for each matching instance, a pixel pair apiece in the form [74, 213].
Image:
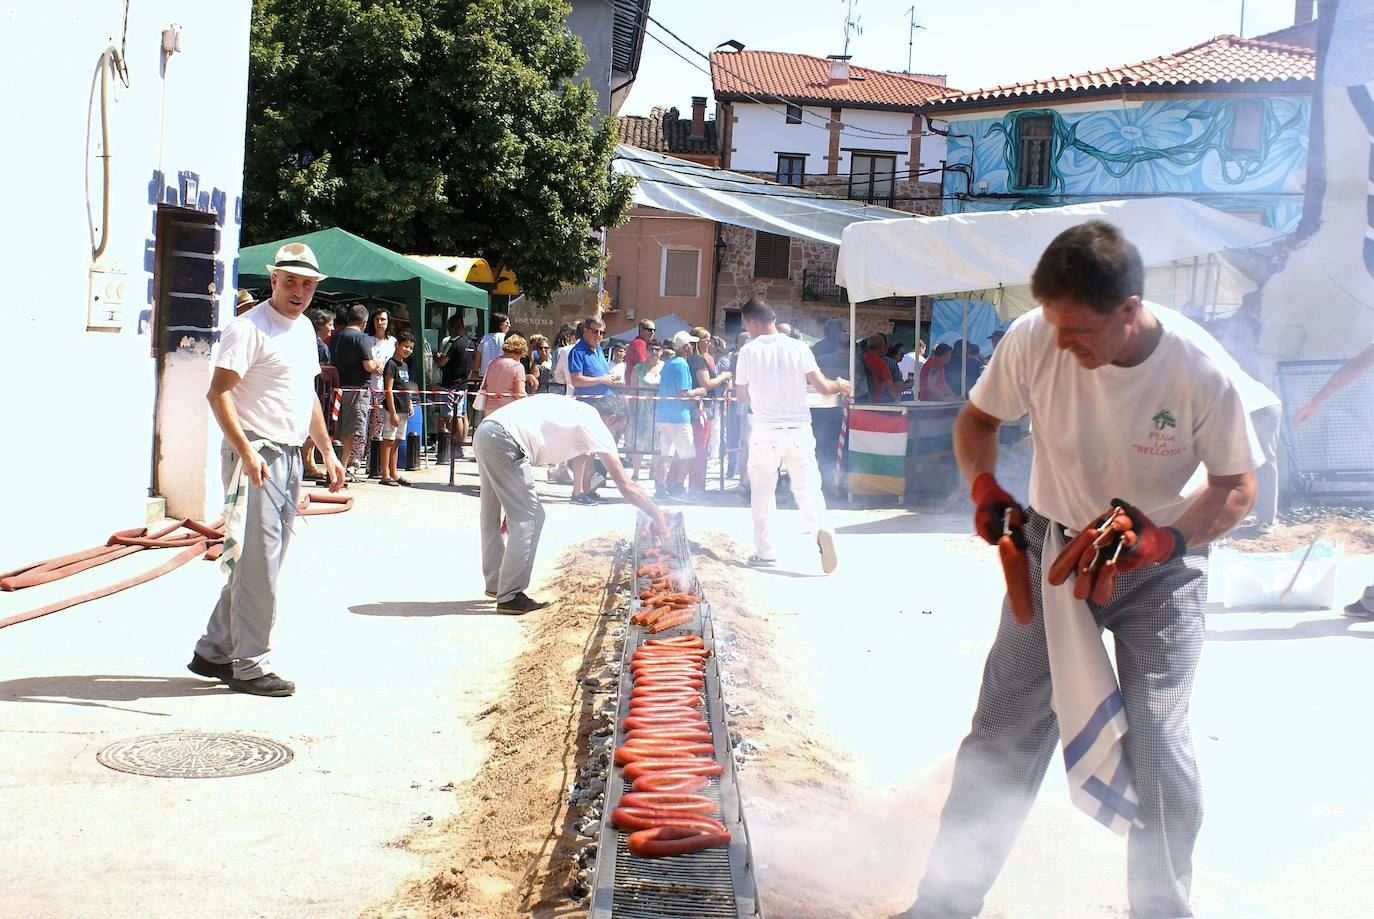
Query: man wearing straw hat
[263, 397]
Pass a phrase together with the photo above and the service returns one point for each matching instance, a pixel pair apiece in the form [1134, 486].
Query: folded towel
[236, 508]
[1087, 702]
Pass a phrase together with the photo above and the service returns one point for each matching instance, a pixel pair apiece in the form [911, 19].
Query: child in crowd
[396, 396]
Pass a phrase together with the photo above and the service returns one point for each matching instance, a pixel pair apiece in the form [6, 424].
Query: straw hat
[296, 258]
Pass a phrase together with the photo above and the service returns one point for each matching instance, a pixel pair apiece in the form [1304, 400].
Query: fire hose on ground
[199, 540]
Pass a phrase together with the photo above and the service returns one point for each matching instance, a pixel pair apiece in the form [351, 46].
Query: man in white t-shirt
[911, 363]
[1121, 408]
[771, 376]
[490, 345]
[539, 430]
[262, 395]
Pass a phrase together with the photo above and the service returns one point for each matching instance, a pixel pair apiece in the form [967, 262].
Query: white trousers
[769, 449]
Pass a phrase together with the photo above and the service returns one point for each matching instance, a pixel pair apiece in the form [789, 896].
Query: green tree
[431, 126]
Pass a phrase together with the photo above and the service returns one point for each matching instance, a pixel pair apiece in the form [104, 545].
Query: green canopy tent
[358, 268]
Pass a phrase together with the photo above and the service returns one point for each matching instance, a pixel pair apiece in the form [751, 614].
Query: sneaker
[491, 593]
[269, 684]
[201, 666]
[826, 541]
[758, 561]
[519, 604]
[582, 499]
[1357, 610]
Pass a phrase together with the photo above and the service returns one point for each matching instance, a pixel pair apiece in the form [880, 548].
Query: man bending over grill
[540, 430]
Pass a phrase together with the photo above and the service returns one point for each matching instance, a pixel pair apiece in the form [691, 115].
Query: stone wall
[737, 284]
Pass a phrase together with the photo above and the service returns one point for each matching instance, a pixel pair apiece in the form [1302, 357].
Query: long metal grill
[713, 883]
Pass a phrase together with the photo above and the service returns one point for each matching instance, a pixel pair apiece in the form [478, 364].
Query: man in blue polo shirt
[591, 377]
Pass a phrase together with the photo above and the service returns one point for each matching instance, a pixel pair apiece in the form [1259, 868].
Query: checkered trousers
[1156, 618]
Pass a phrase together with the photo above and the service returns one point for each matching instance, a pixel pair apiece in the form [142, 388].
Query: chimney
[1302, 11]
[839, 68]
[698, 117]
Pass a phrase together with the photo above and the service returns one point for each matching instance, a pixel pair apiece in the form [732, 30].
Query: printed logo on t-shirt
[1160, 440]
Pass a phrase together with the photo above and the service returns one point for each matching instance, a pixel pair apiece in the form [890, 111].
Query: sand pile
[511, 849]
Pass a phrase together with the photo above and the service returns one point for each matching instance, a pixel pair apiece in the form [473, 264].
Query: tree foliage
[431, 126]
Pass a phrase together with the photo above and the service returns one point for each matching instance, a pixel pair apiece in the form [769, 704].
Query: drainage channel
[710, 883]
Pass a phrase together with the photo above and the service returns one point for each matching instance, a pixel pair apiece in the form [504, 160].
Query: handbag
[479, 401]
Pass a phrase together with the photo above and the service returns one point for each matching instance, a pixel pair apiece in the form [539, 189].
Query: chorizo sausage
[642, 818]
[689, 765]
[670, 782]
[669, 744]
[1016, 571]
[661, 841]
[627, 754]
[1067, 560]
[692, 804]
[682, 641]
[664, 623]
[690, 718]
[687, 732]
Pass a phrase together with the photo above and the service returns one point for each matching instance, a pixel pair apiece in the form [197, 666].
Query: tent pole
[845, 401]
[963, 367]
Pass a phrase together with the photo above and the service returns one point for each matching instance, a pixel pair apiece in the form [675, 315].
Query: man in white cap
[263, 397]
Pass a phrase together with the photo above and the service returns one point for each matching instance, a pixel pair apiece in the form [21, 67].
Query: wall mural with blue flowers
[1246, 154]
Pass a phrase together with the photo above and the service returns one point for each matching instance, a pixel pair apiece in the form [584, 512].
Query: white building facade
[122, 196]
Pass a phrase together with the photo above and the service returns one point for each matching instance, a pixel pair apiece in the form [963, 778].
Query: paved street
[383, 629]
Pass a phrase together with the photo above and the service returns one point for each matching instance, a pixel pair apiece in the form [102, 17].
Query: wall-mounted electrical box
[105, 304]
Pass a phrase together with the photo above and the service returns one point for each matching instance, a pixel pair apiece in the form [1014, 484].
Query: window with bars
[871, 178]
[771, 255]
[680, 269]
[1247, 127]
[1034, 151]
[791, 169]
[794, 114]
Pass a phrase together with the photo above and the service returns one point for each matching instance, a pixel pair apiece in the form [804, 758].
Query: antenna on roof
[911, 36]
[851, 23]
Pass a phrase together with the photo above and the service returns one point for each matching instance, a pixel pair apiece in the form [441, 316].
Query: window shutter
[680, 273]
[772, 254]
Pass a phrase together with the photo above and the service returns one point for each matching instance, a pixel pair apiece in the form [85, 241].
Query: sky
[976, 43]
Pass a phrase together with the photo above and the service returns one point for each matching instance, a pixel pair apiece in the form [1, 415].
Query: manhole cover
[191, 755]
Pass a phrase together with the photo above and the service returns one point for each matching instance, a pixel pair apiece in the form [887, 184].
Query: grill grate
[710, 884]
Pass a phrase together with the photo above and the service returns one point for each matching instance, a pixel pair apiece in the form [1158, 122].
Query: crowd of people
[1158, 399]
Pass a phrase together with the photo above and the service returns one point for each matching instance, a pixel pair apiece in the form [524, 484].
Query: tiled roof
[805, 78]
[1224, 60]
[664, 131]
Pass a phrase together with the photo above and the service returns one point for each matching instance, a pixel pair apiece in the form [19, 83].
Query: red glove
[990, 507]
[1154, 544]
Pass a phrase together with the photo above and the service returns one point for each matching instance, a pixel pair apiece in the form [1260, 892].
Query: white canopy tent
[745, 201]
[998, 250]
[959, 252]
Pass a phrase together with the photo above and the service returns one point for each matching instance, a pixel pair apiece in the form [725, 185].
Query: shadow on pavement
[1312, 628]
[91, 690]
[483, 607]
[908, 522]
[470, 490]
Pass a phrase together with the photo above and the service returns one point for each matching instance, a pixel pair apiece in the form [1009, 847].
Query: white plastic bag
[1258, 579]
